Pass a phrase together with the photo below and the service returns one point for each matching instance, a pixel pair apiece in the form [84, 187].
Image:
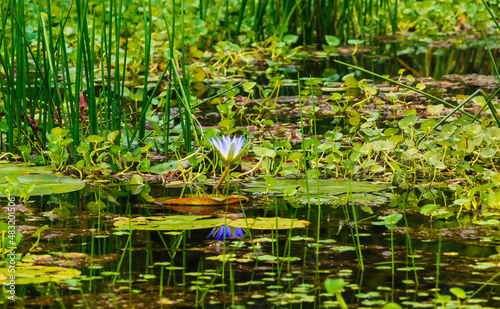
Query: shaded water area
[379, 241]
[265, 268]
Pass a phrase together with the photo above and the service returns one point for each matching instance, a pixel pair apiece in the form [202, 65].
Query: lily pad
[260, 223]
[38, 274]
[169, 223]
[325, 186]
[17, 170]
[202, 210]
[203, 201]
[326, 191]
[48, 184]
[166, 167]
[183, 222]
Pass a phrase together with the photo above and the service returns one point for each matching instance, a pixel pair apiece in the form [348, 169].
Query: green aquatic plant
[336, 287]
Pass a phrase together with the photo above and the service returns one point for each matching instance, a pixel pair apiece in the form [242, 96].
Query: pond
[384, 251]
[352, 189]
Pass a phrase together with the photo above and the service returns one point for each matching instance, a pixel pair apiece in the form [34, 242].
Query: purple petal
[239, 232]
[212, 232]
[223, 232]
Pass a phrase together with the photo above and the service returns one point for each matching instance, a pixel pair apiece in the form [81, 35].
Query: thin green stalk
[483, 286]
[410, 248]
[145, 107]
[166, 122]
[148, 23]
[438, 262]
[302, 143]
[317, 169]
[488, 103]
[91, 101]
[358, 242]
[240, 19]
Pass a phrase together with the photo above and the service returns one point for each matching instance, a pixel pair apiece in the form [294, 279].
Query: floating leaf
[167, 167]
[322, 186]
[392, 306]
[203, 210]
[170, 223]
[335, 285]
[269, 223]
[185, 222]
[39, 274]
[19, 170]
[201, 201]
[50, 184]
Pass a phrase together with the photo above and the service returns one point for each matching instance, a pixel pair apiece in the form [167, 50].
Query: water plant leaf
[392, 306]
[136, 180]
[39, 274]
[112, 135]
[204, 201]
[290, 38]
[273, 223]
[191, 222]
[383, 146]
[164, 167]
[49, 184]
[334, 285]
[322, 186]
[389, 221]
[94, 139]
[458, 292]
[354, 118]
[60, 132]
[261, 151]
[429, 209]
[169, 223]
[19, 170]
[351, 82]
[332, 40]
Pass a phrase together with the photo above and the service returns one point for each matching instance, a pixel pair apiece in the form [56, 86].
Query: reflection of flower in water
[226, 231]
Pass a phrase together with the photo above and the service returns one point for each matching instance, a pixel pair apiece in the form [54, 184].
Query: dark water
[293, 282]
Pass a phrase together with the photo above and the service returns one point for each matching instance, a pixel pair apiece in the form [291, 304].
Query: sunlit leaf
[212, 201]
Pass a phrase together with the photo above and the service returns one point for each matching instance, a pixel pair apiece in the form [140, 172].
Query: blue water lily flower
[229, 149]
[226, 232]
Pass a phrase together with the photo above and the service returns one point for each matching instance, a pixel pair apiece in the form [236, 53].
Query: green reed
[438, 264]
[410, 249]
[303, 146]
[45, 87]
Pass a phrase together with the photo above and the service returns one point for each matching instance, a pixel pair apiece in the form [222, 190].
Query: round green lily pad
[38, 274]
[49, 184]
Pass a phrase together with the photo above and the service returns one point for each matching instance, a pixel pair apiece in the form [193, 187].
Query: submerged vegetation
[340, 153]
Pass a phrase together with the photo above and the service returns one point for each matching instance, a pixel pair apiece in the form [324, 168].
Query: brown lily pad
[203, 201]
[201, 210]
